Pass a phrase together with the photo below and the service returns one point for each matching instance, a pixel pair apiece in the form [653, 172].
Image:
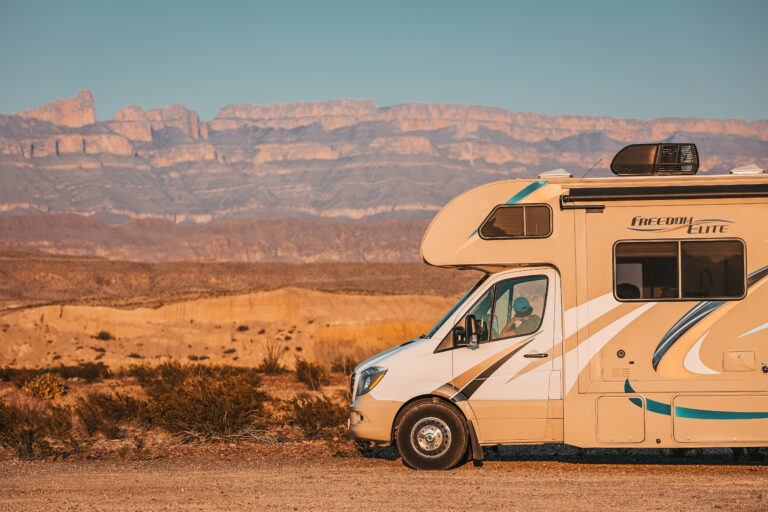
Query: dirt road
[246, 480]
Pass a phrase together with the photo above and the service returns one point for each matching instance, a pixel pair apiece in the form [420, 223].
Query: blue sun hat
[522, 307]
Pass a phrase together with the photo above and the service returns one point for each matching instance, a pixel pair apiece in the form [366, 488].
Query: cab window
[519, 307]
[514, 307]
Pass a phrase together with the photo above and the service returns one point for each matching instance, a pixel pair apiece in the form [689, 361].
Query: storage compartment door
[620, 419]
[720, 418]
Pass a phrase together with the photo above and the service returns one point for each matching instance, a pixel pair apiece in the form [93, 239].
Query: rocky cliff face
[75, 112]
[337, 159]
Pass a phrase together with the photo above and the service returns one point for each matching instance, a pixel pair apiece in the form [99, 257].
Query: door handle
[536, 355]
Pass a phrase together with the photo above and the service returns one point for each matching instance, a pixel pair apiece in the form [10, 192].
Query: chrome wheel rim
[430, 437]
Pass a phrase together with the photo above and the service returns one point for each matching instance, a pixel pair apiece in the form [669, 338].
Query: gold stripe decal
[475, 383]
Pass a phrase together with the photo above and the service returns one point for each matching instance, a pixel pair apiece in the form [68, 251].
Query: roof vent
[656, 159]
[747, 170]
[556, 173]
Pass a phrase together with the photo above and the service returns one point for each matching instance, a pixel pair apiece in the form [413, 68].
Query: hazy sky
[640, 59]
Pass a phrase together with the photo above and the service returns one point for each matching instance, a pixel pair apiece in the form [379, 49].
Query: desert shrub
[28, 433]
[242, 328]
[318, 416]
[19, 376]
[104, 336]
[313, 375]
[343, 364]
[200, 401]
[205, 407]
[273, 352]
[46, 386]
[174, 373]
[89, 372]
[104, 413]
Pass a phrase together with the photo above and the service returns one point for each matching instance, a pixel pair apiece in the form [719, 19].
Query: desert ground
[67, 310]
[114, 376]
[306, 477]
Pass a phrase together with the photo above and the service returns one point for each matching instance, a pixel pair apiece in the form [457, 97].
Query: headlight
[369, 378]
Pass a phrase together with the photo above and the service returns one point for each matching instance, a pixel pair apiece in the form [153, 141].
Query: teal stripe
[652, 405]
[756, 329]
[686, 412]
[533, 187]
[702, 414]
[522, 194]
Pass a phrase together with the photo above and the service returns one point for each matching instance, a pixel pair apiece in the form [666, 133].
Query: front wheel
[431, 435]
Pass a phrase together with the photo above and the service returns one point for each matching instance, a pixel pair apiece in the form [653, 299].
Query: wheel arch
[429, 398]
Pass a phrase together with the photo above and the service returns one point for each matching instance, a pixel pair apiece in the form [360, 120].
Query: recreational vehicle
[629, 311]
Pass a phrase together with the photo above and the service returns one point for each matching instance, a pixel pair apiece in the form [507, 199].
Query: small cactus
[46, 385]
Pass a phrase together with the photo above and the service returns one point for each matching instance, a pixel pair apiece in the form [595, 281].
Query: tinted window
[537, 221]
[708, 269]
[646, 270]
[713, 269]
[517, 221]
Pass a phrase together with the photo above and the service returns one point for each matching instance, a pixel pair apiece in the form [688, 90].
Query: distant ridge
[342, 159]
[234, 240]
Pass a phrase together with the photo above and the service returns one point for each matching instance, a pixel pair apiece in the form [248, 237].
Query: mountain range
[340, 159]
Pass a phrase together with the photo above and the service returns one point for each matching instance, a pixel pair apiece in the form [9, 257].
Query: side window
[712, 269]
[519, 307]
[517, 221]
[646, 270]
[679, 270]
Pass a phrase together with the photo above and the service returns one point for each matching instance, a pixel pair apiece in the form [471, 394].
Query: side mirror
[459, 336]
[470, 328]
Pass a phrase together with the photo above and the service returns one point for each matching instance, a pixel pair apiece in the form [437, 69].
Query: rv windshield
[455, 307]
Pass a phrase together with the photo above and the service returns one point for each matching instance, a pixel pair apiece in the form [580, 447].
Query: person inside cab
[524, 322]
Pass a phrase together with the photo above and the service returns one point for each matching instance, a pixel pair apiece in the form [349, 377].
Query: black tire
[431, 435]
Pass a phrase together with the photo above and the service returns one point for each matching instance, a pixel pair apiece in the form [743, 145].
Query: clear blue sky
[641, 59]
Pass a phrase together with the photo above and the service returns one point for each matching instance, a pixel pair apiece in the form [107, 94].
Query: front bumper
[371, 419]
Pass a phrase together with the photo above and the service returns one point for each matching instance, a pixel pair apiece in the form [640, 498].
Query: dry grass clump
[316, 416]
[314, 375]
[344, 365]
[34, 434]
[273, 352]
[103, 413]
[197, 401]
[207, 408]
[46, 386]
[89, 372]
[192, 401]
[361, 341]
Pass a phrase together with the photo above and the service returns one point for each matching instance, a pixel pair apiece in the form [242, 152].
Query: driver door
[506, 376]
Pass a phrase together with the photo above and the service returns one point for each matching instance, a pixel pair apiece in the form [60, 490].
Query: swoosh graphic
[580, 356]
[694, 316]
[687, 412]
[526, 191]
[691, 318]
[693, 362]
[756, 329]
